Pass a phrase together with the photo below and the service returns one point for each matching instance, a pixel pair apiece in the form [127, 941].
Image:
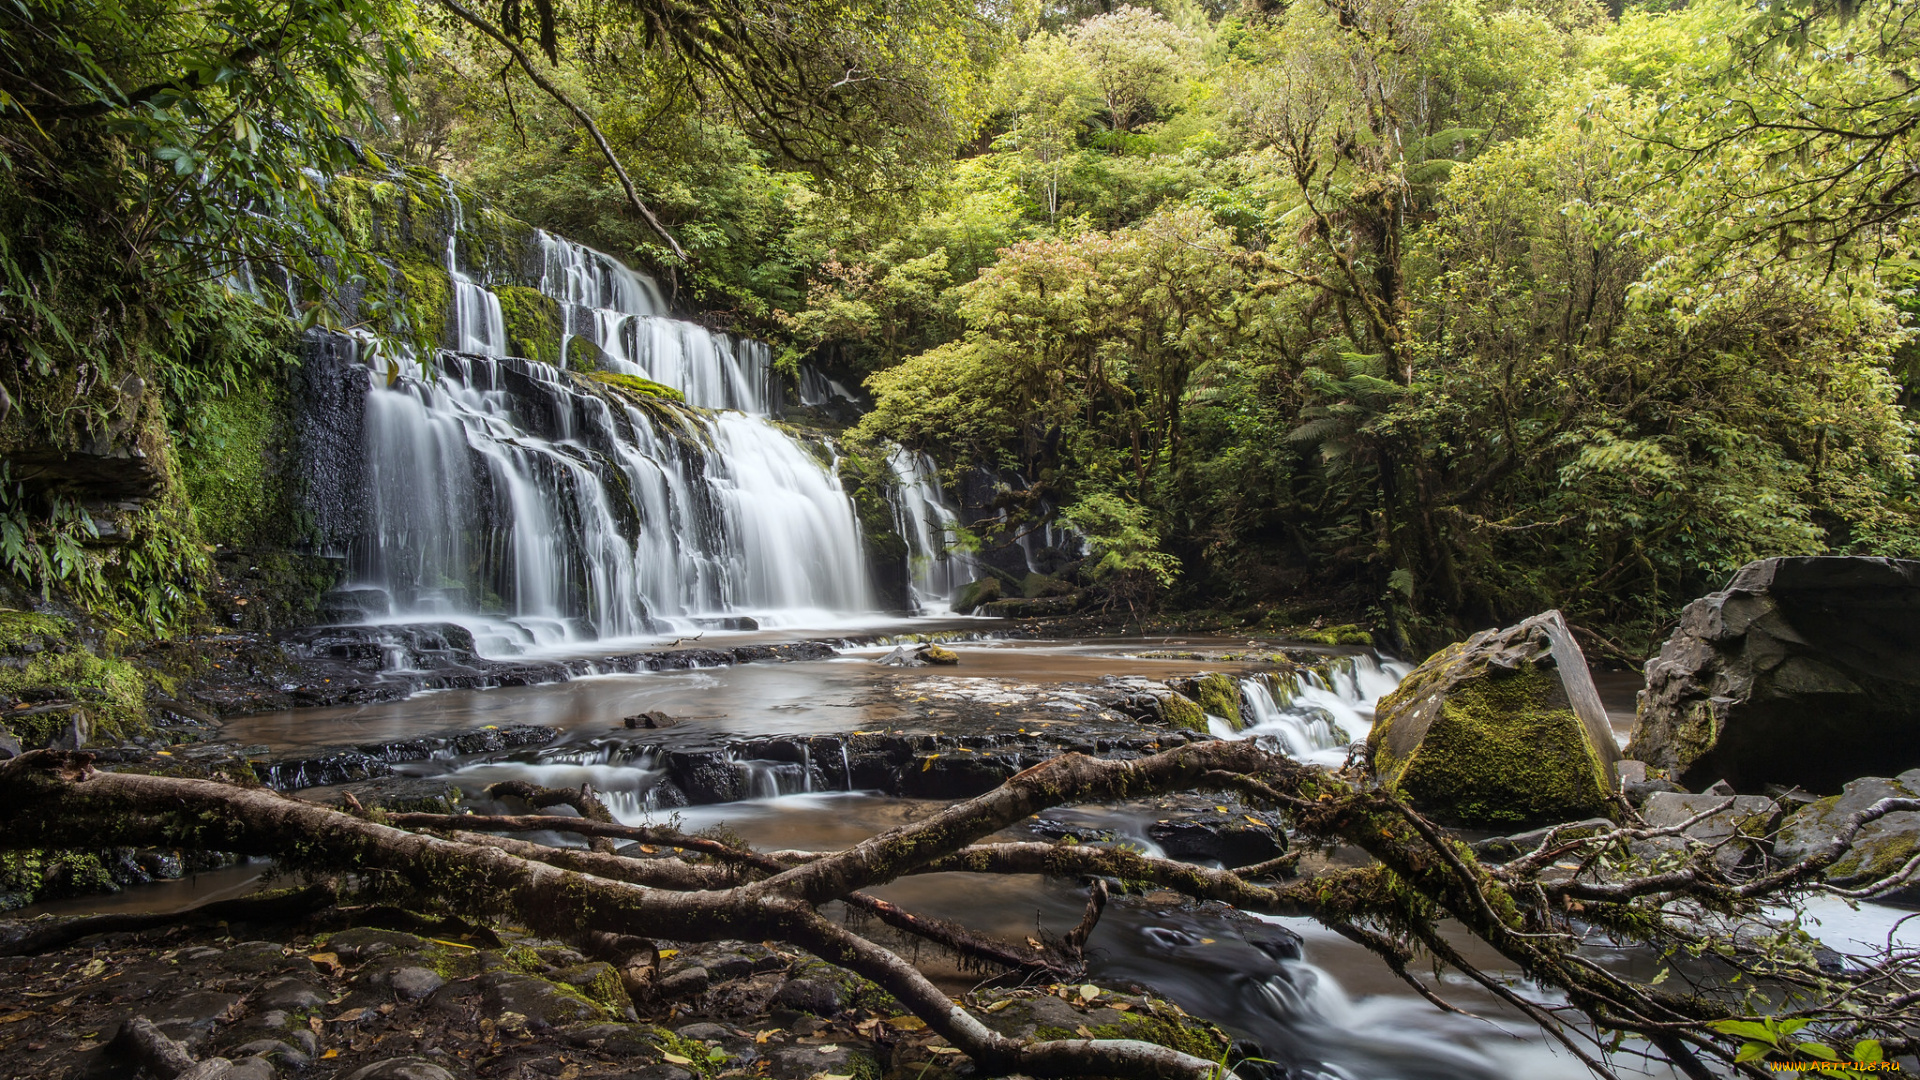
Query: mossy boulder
[975, 594]
[1216, 695]
[581, 355]
[1882, 847]
[935, 654]
[1503, 729]
[1176, 710]
[1067, 1013]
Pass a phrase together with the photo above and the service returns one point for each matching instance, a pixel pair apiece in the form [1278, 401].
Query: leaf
[676, 1059]
[1088, 992]
[1747, 1029]
[14, 1017]
[996, 1006]
[1819, 1051]
[829, 1048]
[1752, 1051]
[1868, 1050]
[348, 1017]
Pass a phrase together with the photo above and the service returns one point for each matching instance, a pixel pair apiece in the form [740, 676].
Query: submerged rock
[1802, 671]
[1882, 847]
[1503, 728]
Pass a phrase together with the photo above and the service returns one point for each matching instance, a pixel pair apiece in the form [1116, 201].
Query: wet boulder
[933, 653]
[975, 594]
[1801, 671]
[1882, 847]
[1734, 826]
[1504, 728]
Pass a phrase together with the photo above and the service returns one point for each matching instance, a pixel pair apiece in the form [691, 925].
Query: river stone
[974, 594]
[1504, 728]
[407, 1068]
[935, 654]
[1882, 846]
[820, 997]
[1801, 671]
[1743, 821]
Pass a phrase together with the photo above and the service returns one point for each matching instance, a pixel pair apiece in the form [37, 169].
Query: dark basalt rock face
[1803, 671]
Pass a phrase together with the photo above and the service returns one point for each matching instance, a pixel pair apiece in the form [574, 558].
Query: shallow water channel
[1316, 1002]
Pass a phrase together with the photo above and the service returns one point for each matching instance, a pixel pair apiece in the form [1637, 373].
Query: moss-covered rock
[1882, 847]
[935, 654]
[533, 323]
[635, 386]
[1067, 1013]
[1504, 728]
[582, 355]
[1218, 695]
[975, 594]
[1177, 710]
[53, 687]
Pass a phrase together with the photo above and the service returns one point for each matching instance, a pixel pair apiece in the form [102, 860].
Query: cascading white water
[479, 326]
[502, 495]
[623, 314]
[931, 530]
[1315, 718]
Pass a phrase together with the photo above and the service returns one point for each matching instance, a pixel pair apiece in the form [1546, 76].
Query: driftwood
[1531, 910]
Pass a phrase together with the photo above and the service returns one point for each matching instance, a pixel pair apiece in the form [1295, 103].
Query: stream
[1313, 1001]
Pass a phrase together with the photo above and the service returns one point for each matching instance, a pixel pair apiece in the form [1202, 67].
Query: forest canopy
[1431, 313]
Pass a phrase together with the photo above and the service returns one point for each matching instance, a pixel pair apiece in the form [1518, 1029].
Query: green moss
[638, 387]
[583, 355]
[1505, 750]
[1179, 711]
[426, 302]
[45, 662]
[532, 320]
[227, 456]
[1218, 695]
[1189, 1036]
[39, 874]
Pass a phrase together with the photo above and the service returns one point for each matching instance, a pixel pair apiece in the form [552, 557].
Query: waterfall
[930, 529]
[508, 496]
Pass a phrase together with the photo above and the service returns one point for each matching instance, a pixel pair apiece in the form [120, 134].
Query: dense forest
[1425, 314]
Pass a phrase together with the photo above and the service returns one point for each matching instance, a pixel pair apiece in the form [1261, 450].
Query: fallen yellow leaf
[676, 1059]
[1089, 992]
[664, 953]
[14, 1017]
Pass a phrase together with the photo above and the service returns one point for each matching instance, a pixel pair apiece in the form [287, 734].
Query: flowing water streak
[931, 530]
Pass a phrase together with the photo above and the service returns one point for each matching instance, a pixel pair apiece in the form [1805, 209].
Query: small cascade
[479, 326]
[1315, 715]
[937, 565]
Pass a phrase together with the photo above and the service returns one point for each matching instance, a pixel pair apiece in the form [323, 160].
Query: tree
[1138, 60]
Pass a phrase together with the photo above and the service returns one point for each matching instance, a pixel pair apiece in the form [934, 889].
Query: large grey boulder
[1803, 671]
[1504, 728]
[1882, 847]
